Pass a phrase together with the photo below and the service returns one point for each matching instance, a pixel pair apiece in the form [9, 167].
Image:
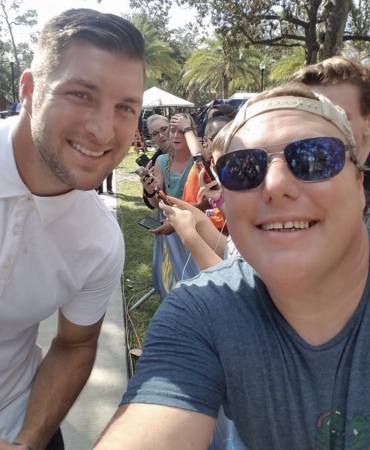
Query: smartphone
[161, 196]
[142, 160]
[208, 174]
[143, 171]
[149, 223]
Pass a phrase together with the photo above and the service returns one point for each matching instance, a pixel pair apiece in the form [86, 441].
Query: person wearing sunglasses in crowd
[158, 129]
[346, 82]
[279, 336]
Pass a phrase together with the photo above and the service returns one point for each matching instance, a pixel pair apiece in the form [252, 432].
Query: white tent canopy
[154, 97]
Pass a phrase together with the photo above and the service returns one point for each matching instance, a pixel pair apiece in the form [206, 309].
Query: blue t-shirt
[177, 180]
[218, 339]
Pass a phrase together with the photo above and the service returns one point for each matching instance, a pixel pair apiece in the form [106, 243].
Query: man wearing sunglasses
[279, 336]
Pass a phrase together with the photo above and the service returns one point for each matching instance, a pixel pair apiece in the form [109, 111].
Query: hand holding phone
[208, 174]
[143, 172]
[161, 196]
[150, 223]
[142, 160]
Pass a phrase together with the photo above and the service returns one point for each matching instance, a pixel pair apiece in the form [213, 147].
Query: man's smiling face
[83, 125]
[324, 218]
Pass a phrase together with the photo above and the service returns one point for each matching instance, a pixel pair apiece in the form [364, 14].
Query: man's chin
[83, 186]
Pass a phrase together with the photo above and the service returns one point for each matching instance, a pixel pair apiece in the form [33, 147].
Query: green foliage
[318, 26]
[13, 15]
[286, 66]
[213, 67]
[139, 253]
[156, 12]
[358, 25]
[160, 63]
[183, 41]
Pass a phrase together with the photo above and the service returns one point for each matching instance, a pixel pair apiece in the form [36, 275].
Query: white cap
[322, 107]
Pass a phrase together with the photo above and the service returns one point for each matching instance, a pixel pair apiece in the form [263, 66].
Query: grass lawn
[139, 251]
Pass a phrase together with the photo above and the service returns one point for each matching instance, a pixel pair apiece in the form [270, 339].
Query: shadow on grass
[137, 274]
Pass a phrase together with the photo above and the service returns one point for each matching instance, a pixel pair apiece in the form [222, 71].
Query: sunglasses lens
[315, 159]
[242, 170]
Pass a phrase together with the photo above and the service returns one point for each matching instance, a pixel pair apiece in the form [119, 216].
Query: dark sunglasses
[313, 159]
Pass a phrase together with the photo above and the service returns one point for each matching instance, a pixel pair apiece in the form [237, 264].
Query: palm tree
[214, 67]
[158, 54]
[286, 66]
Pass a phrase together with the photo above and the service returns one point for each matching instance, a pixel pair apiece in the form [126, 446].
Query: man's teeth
[85, 151]
[292, 225]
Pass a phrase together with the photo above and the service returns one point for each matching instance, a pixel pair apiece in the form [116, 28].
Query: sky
[47, 9]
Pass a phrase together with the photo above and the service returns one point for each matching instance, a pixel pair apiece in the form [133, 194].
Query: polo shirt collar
[51, 208]
[11, 184]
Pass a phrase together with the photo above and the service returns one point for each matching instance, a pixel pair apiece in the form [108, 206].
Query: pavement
[99, 400]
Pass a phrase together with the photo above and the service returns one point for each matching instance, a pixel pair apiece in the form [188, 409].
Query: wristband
[217, 203]
[147, 195]
[186, 129]
[18, 443]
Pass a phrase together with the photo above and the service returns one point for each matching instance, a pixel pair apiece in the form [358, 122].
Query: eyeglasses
[313, 159]
[162, 130]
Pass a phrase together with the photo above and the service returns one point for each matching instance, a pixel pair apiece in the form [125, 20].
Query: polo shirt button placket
[7, 263]
[16, 229]
[12, 241]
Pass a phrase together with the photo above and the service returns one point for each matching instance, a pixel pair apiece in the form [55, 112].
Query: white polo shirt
[62, 252]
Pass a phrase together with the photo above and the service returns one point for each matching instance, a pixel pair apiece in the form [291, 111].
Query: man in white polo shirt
[60, 249]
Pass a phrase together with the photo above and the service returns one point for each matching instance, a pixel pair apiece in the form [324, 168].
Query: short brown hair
[335, 70]
[290, 89]
[105, 31]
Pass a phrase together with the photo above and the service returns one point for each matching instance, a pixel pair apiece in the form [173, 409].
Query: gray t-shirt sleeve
[179, 366]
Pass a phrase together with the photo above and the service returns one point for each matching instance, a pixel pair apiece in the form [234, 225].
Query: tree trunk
[335, 24]
[312, 44]
[225, 86]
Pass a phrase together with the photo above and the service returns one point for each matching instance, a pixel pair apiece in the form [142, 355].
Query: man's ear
[367, 125]
[361, 187]
[26, 87]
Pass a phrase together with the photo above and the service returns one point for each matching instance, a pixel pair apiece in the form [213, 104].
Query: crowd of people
[273, 331]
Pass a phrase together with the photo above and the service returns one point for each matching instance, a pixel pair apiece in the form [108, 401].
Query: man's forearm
[165, 428]
[58, 382]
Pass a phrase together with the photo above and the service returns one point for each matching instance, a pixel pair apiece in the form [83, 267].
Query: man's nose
[279, 182]
[101, 125]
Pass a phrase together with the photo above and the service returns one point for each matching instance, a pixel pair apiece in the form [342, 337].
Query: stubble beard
[50, 159]
[48, 154]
